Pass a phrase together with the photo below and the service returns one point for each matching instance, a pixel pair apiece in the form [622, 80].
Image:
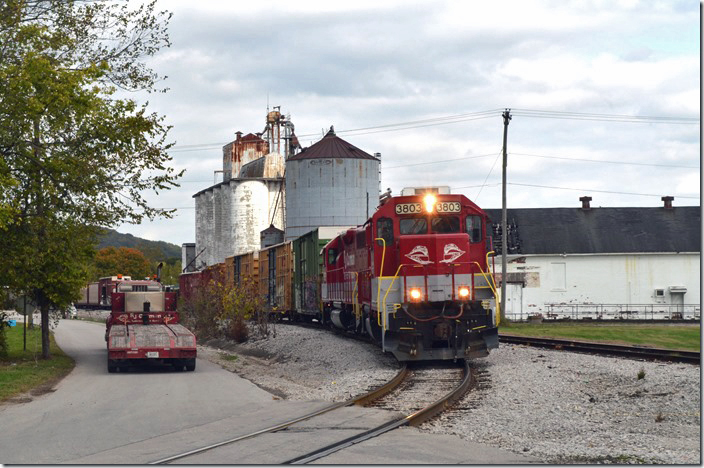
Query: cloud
[368, 64]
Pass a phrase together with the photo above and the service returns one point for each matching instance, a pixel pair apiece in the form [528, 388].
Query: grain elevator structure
[269, 186]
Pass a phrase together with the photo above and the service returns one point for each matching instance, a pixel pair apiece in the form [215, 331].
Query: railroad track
[633, 352]
[406, 385]
[361, 400]
[421, 381]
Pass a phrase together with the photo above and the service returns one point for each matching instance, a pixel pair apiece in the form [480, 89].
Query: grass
[228, 357]
[683, 337]
[23, 371]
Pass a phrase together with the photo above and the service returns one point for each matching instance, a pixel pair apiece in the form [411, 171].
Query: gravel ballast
[557, 406]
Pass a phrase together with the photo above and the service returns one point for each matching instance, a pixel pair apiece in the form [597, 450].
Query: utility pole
[504, 234]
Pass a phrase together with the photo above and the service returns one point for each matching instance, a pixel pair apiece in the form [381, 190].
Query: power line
[439, 161]
[604, 161]
[423, 122]
[487, 176]
[597, 191]
[450, 119]
[606, 117]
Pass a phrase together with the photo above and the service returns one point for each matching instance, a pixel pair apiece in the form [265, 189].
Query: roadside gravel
[557, 406]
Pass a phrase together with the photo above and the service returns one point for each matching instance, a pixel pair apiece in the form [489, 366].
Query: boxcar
[275, 279]
[308, 270]
[243, 269]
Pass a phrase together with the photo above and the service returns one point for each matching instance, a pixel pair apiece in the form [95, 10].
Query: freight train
[417, 278]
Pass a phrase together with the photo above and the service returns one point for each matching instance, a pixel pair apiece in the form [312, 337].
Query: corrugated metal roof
[602, 230]
[332, 147]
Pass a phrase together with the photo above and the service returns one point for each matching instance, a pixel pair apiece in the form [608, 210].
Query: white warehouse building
[602, 263]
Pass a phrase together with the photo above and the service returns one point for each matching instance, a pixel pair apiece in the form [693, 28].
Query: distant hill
[156, 251]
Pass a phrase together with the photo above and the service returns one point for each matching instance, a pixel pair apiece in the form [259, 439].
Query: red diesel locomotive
[417, 278]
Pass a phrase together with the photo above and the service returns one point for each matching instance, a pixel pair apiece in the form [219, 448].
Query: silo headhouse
[330, 183]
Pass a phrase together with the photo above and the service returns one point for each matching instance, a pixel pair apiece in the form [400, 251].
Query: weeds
[216, 308]
[641, 374]
[229, 357]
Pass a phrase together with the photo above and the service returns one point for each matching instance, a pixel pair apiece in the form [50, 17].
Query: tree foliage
[171, 271]
[217, 308]
[129, 262]
[75, 156]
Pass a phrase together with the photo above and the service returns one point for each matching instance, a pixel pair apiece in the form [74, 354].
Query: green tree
[171, 271]
[75, 156]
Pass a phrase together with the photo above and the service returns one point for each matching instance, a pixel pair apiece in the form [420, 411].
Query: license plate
[152, 354]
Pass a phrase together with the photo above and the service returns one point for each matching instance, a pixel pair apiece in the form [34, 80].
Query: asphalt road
[93, 417]
[109, 418]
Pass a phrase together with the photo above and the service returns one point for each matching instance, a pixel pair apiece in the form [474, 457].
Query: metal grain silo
[331, 183]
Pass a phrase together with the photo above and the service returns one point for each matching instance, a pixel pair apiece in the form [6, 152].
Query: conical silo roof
[332, 147]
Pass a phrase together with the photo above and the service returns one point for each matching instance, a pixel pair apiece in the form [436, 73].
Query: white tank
[331, 183]
[231, 215]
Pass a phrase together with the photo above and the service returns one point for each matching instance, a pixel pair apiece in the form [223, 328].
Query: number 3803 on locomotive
[417, 278]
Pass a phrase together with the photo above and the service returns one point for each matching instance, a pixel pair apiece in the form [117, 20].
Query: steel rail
[358, 400]
[634, 352]
[411, 420]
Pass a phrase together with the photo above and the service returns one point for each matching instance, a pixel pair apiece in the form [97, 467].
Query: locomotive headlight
[415, 294]
[463, 292]
[429, 201]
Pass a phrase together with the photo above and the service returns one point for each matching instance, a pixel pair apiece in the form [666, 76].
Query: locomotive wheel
[112, 367]
[191, 364]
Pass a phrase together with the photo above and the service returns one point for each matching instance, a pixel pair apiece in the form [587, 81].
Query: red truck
[143, 327]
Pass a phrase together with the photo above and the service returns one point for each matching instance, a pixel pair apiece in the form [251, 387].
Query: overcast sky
[426, 81]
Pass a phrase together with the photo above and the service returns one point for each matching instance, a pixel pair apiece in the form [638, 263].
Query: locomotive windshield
[410, 226]
[438, 225]
[441, 225]
[445, 225]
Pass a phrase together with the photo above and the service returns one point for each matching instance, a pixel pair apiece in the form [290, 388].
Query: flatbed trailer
[143, 328]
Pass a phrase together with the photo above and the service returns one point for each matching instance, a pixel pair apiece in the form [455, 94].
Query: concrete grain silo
[331, 183]
[230, 215]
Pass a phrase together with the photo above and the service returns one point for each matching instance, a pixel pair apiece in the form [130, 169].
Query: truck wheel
[112, 367]
[191, 364]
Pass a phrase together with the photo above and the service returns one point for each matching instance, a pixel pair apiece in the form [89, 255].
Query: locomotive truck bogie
[447, 330]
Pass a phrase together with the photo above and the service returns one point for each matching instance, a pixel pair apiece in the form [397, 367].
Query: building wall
[240, 152]
[253, 204]
[614, 279]
[204, 228]
[188, 253]
[231, 216]
[329, 192]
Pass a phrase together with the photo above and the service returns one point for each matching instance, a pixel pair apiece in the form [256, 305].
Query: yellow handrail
[381, 272]
[493, 289]
[387, 293]
[355, 304]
